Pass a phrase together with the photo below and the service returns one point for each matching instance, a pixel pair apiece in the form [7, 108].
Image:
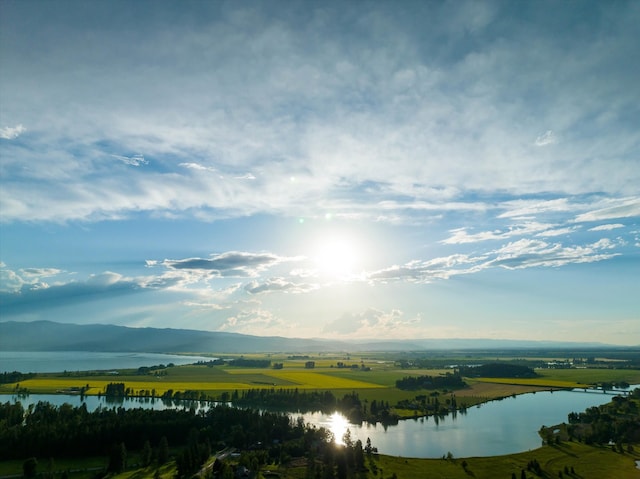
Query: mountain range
[52, 336]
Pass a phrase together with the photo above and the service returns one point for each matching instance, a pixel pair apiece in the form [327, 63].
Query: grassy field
[588, 462]
[591, 375]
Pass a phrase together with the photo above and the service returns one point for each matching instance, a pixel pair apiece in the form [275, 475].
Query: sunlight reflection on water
[338, 425]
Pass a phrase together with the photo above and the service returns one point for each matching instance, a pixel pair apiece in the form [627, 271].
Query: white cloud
[135, 160]
[372, 323]
[558, 231]
[460, 235]
[607, 227]
[429, 270]
[520, 254]
[257, 321]
[525, 208]
[278, 285]
[527, 253]
[232, 263]
[11, 132]
[197, 166]
[14, 281]
[548, 138]
[261, 101]
[616, 208]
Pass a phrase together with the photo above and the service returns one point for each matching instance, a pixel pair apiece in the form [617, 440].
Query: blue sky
[323, 169]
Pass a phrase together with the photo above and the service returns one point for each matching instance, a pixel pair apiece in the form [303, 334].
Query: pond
[491, 429]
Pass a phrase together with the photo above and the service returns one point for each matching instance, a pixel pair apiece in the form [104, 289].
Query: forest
[48, 431]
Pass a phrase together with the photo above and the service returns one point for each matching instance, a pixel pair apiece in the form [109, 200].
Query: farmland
[369, 378]
[372, 378]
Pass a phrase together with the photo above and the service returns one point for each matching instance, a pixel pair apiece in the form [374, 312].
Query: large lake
[492, 429]
[59, 361]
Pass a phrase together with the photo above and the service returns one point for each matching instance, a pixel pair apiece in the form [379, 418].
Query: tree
[29, 467]
[145, 455]
[163, 450]
[117, 458]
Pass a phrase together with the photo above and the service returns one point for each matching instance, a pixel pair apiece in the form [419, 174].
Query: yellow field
[313, 380]
[52, 385]
[302, 379]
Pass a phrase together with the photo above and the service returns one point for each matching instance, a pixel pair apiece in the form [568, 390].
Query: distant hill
[51, 336]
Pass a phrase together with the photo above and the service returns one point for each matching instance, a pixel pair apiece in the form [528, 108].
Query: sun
[335, 256]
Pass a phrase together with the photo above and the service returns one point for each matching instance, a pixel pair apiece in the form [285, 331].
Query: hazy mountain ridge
[51, 336]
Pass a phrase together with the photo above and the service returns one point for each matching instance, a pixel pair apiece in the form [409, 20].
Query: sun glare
[338, 425]
[335, 256]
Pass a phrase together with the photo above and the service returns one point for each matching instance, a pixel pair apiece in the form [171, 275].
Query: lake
[59, 361]
[495, 428]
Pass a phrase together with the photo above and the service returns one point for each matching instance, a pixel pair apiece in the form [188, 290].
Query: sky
[373, 170]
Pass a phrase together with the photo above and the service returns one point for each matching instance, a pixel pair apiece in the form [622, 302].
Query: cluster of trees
[343, 365]
[431, 404]
[15, 377]
[611, 385]
[250, 363]
[618, 421]
[116, 390]
[211, 363]
[143, 370]
[305, 401]
[498, 370]
[45, 430]
[291, 399]
[448, 380]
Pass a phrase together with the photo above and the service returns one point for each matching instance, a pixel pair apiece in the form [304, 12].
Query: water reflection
[338, 425]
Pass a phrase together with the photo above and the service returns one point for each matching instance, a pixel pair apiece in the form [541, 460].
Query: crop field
[492, 390]
[591, 375]
[370, 378]
[317, 380]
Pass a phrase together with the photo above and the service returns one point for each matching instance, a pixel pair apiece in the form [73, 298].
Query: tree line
[448, 380]
[350, 404]
[498, 370]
